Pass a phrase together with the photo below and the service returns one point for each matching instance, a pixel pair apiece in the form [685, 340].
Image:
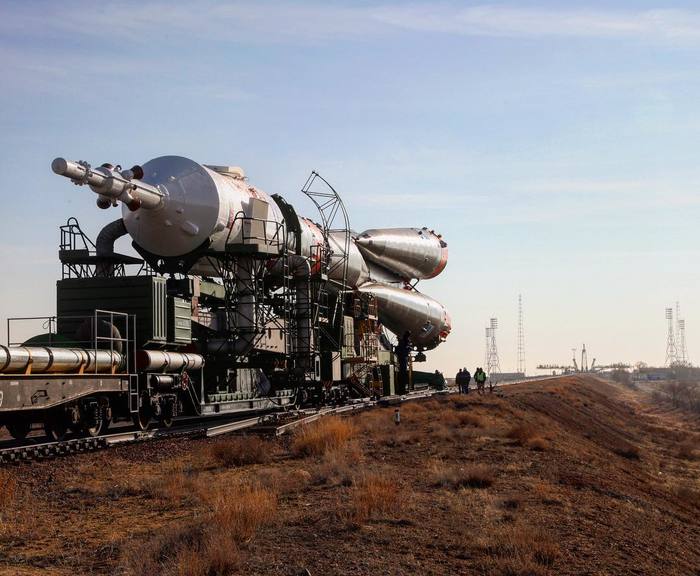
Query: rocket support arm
[111, 184]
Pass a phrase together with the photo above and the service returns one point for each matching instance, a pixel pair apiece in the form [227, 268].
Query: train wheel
[142, 418]
[167, 413]
[166, 421]
[18, 430]
[95, 427]
[56, 427]
[98, 420]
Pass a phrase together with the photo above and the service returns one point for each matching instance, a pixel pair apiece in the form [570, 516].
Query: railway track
[275, 423]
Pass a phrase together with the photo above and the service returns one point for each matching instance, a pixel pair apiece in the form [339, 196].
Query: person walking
[467, 379]
[439, 381]
[459, 380]
[480, 379]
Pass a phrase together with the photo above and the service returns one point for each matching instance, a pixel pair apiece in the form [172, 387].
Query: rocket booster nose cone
[407, 252]
[372, 244]
[400, 310]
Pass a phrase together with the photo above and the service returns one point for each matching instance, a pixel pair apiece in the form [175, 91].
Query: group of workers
[464, 378]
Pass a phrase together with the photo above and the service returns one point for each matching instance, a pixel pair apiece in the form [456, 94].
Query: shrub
[467, 419]
[520, 549]
[626, 450]
[538, 444]
[207, 546]
[686, 450]
[337, 466]
[689, 494]
[373, 496]
[322, 436]
[239, 511]
[284, 482]
[240, 451]
[522, 433]
[470, 476]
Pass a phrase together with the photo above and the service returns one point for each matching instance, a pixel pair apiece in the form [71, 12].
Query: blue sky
[554, 144]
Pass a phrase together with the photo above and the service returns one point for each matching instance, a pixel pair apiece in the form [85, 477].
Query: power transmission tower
[493, 365]
[487, 347]
[681, 351]
[671, 351]
[521, 337]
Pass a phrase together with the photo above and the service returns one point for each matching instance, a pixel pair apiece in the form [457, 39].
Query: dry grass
[545, 493]
[337, 467]
[241, 451]
[184, 550]
[538, 444]
[689, 493]
[519, 550]
[467, 419]
[687, 450]
[16, 510]
[372, 496]
[8, 490]
[325, 435]
[527, 435]
[523, 433]
[284, 483]
[377, 422]
[626, 450]
[209, 545]
[468, 476]
[404, 436]
[461, 418]
[238, 511]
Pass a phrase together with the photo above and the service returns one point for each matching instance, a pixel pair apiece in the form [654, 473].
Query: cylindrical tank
[408, 252]
[200, 203]
[161, 361]
[400, 310]
[45, 360]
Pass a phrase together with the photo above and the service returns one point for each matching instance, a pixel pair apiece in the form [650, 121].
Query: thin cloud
[506, 21]
[316, 22]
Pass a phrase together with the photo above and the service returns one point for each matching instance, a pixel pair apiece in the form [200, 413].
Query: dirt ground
[571, 476]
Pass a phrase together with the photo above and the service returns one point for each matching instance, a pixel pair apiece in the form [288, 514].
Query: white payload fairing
[172, 206]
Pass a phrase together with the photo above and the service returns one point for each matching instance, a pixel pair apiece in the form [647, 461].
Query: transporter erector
[237, 303]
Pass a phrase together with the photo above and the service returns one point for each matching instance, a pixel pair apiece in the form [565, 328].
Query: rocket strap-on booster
[172, 206]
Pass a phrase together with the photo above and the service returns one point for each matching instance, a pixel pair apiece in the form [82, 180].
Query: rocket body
[172, 206]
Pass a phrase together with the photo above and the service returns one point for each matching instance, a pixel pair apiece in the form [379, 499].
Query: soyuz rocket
[172, 205]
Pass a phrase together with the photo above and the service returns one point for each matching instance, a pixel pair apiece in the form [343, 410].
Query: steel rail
[263, 423]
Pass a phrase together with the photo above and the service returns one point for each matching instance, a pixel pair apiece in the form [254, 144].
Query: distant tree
[623, 377]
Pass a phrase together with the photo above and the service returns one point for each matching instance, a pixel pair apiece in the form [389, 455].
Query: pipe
[45, 360]
[161, 361]
[105, 246]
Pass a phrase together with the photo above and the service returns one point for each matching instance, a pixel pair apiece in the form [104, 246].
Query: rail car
[234, 303]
